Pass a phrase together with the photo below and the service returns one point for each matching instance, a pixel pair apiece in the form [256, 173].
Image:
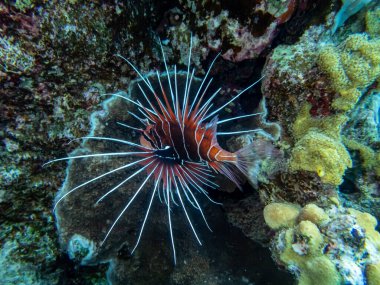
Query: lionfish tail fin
[250, 157]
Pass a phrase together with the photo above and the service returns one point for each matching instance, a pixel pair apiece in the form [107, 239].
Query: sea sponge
[319, 153]
[313, 213]
[351, 67]
[280, 215]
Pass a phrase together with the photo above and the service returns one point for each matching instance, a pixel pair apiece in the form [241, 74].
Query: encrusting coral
[321, 154]
[324, 246]
[321, 79]
[372, 22]
[329, 86]
[352, 67]
[279, 215]
[373, 273]
[318, 147]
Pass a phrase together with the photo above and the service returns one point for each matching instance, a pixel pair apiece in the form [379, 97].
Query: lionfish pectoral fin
[229, 170]
[211, 128]
[213, 123]
[250, 158]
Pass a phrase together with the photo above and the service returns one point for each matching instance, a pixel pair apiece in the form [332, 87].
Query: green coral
[372, 22]
[352, 66]
[13, 58]
[24, 5]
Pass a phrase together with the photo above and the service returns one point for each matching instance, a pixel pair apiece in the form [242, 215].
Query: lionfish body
[184, 140]
[178, 146]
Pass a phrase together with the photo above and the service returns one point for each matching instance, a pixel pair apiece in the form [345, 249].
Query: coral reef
[372, 21]
[323, 92]
[361, 137]
[351, 68]
[326, 245]
[280, 215]
[13, 58]
[318, 193]
[322, 105]
[319, 153]
[239, 32]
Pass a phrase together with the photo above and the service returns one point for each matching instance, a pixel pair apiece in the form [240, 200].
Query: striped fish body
[192, 141]
[178, 150]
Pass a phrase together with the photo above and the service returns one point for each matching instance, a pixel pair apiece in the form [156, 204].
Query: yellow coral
[369, 223]
[310, 232]
[319, 153]
[314, 267]
[307, 235]
[377, 165]
[373, 274]
[300, 246]
[313, 213]
[372, 22]
[319, 270]
[279, 215]
[353, 66]
[367, 154]
[329, 126]
[330, 63]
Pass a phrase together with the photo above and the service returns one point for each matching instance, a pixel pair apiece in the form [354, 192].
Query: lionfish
[178, 145]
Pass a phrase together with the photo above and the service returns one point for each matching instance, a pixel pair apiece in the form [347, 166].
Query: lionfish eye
[167, 152]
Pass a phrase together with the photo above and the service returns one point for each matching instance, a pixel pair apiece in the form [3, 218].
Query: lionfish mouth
[178, 146]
